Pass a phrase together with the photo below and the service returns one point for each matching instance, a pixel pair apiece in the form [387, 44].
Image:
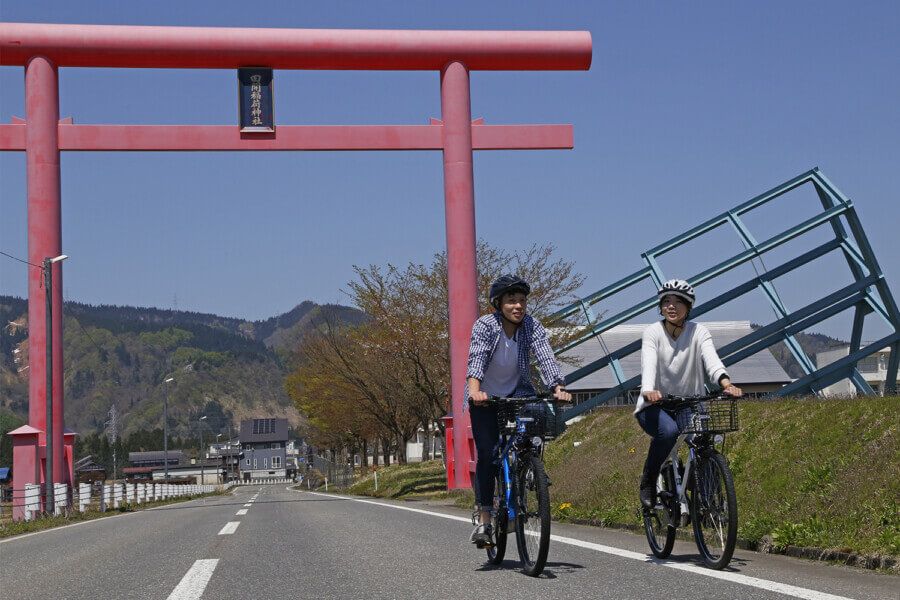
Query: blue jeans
[486, 434]
[663, 430]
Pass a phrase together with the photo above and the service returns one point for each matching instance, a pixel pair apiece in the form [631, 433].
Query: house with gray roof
[757, 375]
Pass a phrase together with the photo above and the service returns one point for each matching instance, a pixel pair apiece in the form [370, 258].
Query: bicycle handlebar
[672, 401]
[545, 397]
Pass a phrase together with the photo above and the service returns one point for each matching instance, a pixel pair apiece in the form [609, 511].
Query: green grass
[818, 473]
[414, 480]
[9, 528]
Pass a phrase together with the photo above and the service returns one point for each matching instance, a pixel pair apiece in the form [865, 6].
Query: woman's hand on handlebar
[733, 390]
[652, 396]
[560, 394]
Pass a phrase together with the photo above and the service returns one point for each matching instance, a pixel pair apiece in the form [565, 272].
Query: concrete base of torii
[29, 466]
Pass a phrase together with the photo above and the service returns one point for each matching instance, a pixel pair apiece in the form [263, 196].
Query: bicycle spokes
[715, 511]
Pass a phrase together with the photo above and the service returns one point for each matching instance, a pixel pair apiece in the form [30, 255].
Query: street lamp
[202, 476]
[166, 383]
[221, 455]
[48, 301]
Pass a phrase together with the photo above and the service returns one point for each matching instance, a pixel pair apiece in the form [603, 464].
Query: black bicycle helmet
[677, 287]
[507, 284]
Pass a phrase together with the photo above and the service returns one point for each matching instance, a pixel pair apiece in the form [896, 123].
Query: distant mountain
[224, 368]
[812, 344]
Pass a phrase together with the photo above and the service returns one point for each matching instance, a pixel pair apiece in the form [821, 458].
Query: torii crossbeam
[43, 48]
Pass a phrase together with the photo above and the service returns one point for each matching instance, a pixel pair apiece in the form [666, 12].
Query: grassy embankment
[814, 473]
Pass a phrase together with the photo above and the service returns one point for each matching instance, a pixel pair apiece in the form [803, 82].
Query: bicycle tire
[714, 510]
[500, 522]
[532, 515]
[658, 521]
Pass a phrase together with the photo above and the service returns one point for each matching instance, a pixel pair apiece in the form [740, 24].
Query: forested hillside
[224, 368]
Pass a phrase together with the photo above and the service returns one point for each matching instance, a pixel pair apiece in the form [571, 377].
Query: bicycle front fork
[676, 483]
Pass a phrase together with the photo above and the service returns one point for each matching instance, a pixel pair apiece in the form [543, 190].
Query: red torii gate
[43, 48]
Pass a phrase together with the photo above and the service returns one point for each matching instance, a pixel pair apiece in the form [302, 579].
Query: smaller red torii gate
[43, 48]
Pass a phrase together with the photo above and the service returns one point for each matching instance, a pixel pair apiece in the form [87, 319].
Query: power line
[20, 260]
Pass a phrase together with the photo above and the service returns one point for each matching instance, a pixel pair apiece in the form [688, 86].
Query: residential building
[757, 375]
[263, 448]
[228, 456]
[873, 369]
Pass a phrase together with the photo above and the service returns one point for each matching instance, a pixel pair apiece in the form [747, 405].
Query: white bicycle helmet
[677, 287]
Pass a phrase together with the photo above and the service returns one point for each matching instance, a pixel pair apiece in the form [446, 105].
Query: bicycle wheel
[500, 522]
[532, 515]
[714, 510]
[658, 523]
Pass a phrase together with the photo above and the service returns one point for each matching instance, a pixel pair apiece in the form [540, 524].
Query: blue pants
[486, 433]
[660, 426]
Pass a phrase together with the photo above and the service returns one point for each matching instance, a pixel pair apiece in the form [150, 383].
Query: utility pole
[48, 309]
[112, 433]
[203, 418]
[166, 383]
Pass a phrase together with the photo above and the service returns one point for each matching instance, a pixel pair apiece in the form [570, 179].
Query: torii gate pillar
[459, 206]
[44, 241]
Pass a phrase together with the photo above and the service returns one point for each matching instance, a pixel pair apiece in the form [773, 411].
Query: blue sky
[688, 110]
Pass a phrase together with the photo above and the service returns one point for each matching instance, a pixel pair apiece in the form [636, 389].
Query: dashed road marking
[229, 528]
[243, 511]
[194, 581]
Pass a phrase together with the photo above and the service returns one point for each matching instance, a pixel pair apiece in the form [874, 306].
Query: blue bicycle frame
[508, 449]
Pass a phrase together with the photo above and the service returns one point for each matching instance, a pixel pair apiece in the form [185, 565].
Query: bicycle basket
[544, 420]
[718, 415]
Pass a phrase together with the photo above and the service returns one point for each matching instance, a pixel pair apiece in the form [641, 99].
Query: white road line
[194, 581]
[243, 511]
[230, 528]
[764, 584]
[248, 505]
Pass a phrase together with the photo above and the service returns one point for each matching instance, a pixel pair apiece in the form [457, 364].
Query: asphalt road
[292, 544]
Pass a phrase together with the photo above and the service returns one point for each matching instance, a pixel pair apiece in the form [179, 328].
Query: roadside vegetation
[809, 473]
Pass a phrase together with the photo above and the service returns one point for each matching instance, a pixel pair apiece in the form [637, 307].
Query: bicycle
[521, 494]
[700, 491]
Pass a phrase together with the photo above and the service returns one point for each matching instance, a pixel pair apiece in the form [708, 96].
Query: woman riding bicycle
[499, 353]
[677, 357]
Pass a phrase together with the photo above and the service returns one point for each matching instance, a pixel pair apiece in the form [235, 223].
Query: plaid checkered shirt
[532, 338]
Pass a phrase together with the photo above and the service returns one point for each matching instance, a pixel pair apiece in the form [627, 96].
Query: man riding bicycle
[499, 352]
[677, 357]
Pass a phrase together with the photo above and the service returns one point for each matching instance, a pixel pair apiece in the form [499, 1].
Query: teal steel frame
[869, 293]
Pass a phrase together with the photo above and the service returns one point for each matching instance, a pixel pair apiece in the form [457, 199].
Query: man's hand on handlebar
[478, 397]
[560, 394]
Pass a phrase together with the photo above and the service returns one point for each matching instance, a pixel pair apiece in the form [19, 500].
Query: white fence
[260, 481]
[110, 496]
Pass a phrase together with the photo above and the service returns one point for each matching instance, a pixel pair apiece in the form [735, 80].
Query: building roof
[760, 368]
[264, 430]
[138, 470]
[155, 455]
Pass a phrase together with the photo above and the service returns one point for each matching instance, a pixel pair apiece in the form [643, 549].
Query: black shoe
[648, 489]
[482, 536]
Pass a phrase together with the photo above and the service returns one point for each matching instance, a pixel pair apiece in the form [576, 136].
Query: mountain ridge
[225, 368]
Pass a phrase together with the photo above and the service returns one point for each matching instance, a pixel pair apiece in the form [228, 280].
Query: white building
[873, 369]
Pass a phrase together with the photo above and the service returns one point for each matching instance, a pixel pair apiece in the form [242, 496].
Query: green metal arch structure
[867, 294]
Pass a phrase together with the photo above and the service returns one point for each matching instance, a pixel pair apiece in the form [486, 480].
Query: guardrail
[110, 496]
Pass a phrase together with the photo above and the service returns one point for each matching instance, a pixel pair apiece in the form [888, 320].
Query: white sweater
[680, 367]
